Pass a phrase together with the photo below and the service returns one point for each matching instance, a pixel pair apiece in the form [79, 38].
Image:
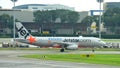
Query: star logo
[31, 39]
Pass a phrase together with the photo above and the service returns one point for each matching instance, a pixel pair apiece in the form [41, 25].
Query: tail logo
[22, 31]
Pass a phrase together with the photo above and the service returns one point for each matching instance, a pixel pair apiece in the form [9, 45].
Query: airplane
[70, 43]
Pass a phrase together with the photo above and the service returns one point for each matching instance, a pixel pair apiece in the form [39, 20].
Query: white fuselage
[81, 41]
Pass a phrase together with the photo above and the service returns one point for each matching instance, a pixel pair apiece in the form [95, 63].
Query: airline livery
[63, 42]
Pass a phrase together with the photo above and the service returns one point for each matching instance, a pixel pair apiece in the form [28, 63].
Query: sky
[79, 5]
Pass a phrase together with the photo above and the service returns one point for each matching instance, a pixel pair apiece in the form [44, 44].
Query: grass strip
[57, 49]
[107, 59]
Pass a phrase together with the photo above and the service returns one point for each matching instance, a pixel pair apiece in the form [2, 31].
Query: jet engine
[72, 47]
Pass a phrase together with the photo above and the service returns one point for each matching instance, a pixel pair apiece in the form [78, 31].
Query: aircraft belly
[85, 44]
[43, 43]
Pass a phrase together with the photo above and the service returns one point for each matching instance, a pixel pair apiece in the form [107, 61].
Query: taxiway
[11, 59]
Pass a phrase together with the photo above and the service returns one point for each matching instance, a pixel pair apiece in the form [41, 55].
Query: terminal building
[56, 28]
[23, 16]
[42, 7]
[111, 5]
[24, 13]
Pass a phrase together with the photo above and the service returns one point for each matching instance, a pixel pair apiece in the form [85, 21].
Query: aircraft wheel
[62, 50]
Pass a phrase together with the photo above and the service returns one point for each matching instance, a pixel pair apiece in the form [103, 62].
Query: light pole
[14, 19]
[100, 1]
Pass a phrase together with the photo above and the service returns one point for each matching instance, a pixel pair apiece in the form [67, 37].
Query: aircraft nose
[104, 44]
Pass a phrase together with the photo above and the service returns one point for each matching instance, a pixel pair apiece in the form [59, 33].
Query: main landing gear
[62, 50]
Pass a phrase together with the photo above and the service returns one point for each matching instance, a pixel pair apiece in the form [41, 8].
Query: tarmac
[11, 59]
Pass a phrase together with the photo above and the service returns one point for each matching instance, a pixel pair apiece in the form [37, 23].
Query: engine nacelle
[72, 47]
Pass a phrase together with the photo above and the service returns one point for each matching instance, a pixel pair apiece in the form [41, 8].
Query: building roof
[42, 7]
[25, 6]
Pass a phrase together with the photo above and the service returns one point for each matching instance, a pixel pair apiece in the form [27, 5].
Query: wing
[67, 45]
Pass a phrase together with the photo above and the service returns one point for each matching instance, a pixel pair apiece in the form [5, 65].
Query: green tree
[112, 19]
[89, 19]
[73, 17]
[8, 20]
[50, 16]
[112, 16]
[42, 16]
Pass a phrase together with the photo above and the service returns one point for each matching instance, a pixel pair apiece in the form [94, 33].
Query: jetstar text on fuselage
[77, 40]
